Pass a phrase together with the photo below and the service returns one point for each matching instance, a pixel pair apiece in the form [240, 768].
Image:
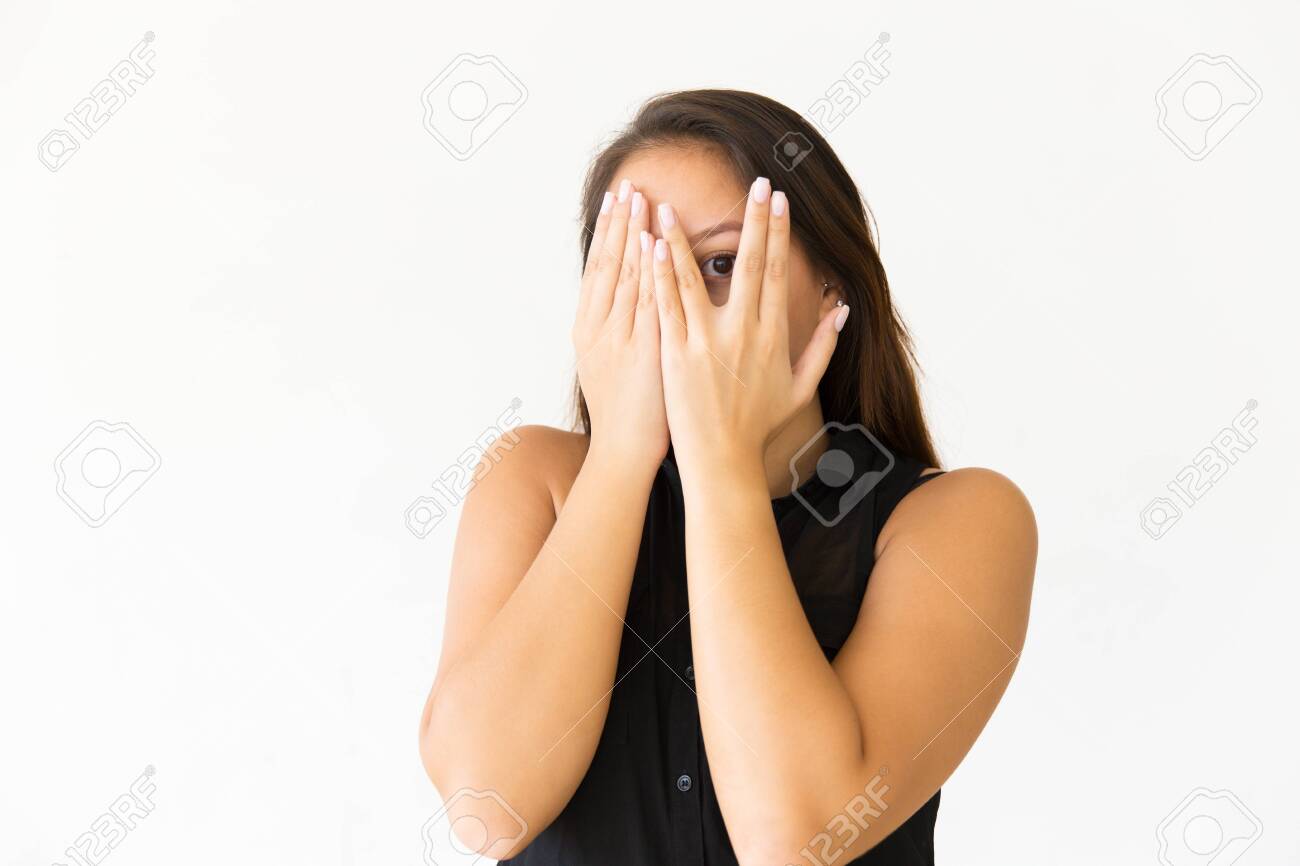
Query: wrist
[636, 467]
[723, 470]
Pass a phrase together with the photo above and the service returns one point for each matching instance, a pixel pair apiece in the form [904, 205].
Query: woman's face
[710, 204]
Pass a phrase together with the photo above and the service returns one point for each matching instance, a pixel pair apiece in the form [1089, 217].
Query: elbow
[428, 736]
[800, 841]
[775, 846]
[496, 829]
[478, 821]
[446, 767]
[821, 827]
[776, 837]
[432, 760]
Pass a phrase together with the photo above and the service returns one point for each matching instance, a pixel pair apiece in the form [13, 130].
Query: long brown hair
[871, 379]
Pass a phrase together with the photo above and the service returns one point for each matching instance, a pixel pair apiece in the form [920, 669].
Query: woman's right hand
[616, 335]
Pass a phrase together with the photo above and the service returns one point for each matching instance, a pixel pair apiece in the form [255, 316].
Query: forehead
[698, 183]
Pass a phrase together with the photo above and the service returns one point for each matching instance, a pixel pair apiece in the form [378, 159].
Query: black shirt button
[683, 783]
[690, 672]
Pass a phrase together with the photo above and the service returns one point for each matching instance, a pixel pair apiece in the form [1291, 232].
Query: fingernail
[607, 203]
[636, 203]
[840, 318]
[667, 219]
[760, 189]
[778, 203]
[623, 189]
[645, 241]
[661, 249]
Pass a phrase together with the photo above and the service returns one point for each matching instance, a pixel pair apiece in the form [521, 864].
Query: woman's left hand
[728, 383]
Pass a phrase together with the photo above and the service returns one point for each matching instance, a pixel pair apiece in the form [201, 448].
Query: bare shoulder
[509, 510]
[972, 514]
[517, 490]
[972, 494]
[544, 458]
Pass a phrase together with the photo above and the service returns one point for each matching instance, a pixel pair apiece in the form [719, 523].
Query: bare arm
[849, 751]
[535, 610]
[796, 744]
[534, 621]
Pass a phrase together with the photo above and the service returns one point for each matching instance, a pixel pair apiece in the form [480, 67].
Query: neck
[797, 433]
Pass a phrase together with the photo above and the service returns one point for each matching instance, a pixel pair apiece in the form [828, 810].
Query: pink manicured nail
[760, 189]
[840, 318]
[667, 219]
[661, 249]
[778, 203]
[607, 203]
[623, 189]
[636, 203]
[645, 241]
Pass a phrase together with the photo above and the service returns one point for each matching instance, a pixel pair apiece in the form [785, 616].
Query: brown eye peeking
[718, 266]
[717, 271]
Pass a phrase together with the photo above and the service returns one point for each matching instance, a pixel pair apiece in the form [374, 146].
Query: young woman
[741, 616]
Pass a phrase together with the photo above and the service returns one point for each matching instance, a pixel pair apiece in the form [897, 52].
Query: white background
[267, 266]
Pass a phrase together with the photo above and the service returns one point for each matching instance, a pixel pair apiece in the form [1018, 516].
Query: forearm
[779, 727]
[522, 709]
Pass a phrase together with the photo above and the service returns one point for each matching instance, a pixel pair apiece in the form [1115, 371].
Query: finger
[810, 367]
[593, 250]
[747, 278]
[692, 296]
[629, 277]
[776, 273]
[646, 325]
[598, 233]
[611, 256]
[672, 319]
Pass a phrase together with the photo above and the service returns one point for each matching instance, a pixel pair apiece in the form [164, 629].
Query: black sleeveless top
[647, 798]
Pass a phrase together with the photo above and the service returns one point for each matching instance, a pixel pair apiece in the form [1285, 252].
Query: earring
[839, 302]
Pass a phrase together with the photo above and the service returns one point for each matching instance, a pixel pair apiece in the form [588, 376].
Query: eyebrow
[719, 229]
